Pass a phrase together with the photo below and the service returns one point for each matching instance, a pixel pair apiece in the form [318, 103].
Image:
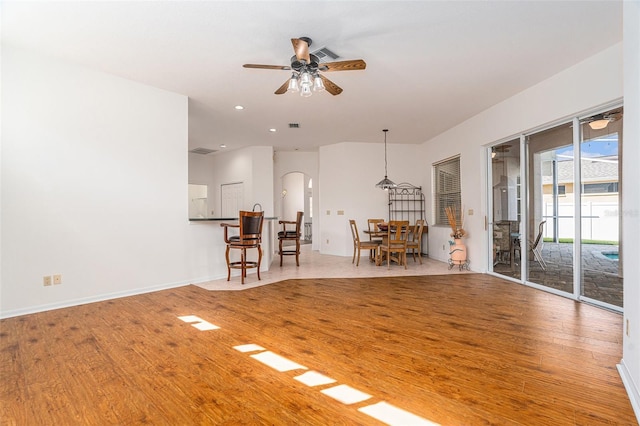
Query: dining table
[384, 234]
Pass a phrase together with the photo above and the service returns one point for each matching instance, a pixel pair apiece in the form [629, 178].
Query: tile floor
[316, 265]
[602, 277]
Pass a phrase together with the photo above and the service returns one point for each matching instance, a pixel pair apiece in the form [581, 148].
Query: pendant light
[385, 183]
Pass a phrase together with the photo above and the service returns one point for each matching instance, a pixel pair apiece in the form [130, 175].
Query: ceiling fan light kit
[306, 67]
[599, 124]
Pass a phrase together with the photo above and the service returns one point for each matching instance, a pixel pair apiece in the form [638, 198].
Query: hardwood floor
[460, 349]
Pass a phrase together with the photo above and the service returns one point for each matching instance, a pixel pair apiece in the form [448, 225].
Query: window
[446, 188]
[562, 189]
[599, 188]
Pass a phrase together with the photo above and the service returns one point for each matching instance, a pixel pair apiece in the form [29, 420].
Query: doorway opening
[297, 195]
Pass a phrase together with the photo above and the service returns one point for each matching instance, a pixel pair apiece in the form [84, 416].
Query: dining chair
[362, 245]
[415, 241]
[288, 234]
[535, 246]
[249, 236]
[396, 242]
[372, 228]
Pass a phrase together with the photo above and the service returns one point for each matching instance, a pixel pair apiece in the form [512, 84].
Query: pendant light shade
[385, 183]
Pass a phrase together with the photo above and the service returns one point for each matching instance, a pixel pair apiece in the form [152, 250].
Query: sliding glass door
[571, 171]
[507, 208]
[600, 253]
[550, 216]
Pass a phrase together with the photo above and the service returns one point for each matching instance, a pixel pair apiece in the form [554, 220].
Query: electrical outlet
[46, 280]
[57, 279]
[340, 212]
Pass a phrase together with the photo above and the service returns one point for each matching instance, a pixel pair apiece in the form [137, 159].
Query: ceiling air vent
[294, 125]
[325, 55]
[203, 151]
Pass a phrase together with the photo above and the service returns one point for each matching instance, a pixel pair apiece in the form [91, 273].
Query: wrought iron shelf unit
[406, 202]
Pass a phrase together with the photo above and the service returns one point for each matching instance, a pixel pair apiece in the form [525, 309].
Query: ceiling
[430, 64]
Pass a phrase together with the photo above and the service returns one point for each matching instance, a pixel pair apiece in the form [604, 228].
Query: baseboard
[84, 301]
[630, 386]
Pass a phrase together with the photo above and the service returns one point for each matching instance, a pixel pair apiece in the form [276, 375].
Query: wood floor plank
[454, 349]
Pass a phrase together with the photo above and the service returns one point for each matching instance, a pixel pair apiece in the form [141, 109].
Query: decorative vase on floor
[458, 254]
[458, 251]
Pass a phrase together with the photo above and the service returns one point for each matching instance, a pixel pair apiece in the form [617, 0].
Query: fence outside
[600, 221]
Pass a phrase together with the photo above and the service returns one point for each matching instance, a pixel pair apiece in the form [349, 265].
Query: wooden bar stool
[290, 235]
[250, 236]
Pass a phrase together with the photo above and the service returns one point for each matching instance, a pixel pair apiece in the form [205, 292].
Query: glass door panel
[600, 244]
[505, 223]
[550, 216]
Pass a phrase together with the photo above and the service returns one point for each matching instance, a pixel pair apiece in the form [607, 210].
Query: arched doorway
[297, 190]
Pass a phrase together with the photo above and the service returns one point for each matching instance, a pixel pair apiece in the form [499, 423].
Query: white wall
[562, 95]
[630, 365]
[348, 175]
[201, 172]
[253, 166]
[94, 172]
[293, 200]
[262, 177]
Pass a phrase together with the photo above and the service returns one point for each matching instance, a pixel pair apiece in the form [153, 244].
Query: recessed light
[272, 130]
[222, 145]
[238, 107]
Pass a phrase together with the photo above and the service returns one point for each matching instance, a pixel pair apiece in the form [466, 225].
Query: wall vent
[203, 151]
[294, 125]
[325, 55]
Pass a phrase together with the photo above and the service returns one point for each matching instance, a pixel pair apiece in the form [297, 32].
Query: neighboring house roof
[602, 169]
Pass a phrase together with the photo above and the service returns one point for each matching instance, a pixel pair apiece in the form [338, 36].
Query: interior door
[232, 198]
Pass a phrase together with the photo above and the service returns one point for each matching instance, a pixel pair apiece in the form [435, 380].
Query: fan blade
[356, 64]
[301, 48]
[282, 89]
[330, 86]
[268, 67]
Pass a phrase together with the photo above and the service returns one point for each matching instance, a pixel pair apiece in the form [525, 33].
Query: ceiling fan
[306, 68]
[600, 121]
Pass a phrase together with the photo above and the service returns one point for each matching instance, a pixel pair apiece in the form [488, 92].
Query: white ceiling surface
[430, 65]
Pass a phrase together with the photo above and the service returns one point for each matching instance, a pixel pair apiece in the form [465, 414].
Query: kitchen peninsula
[269, 239]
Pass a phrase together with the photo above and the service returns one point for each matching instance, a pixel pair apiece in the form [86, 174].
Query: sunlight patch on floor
[248, 348]
[313, 378]
[346, 394]
[198, 323]
[277, 362]
[394, 416]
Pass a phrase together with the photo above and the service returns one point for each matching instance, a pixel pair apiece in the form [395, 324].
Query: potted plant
[458, 251]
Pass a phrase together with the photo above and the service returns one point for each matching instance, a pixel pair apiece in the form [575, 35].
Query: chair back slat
[354, 231]
[417, 231]
[398, 232]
